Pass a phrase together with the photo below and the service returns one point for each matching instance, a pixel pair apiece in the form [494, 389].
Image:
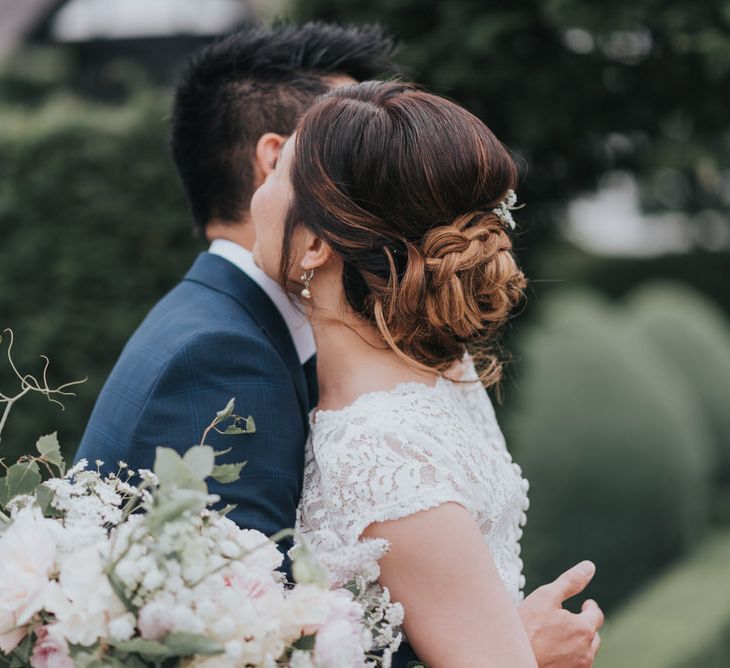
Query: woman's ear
[268, 148]
[317, 252]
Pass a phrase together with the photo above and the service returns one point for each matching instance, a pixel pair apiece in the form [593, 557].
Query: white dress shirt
[296, 321]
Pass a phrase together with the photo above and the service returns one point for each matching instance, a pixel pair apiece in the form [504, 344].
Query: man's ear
[267, 152]
[317, 252]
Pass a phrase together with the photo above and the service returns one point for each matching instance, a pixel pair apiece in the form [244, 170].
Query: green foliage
[680, 620]
[578, 89]
[613, 445]
[694, 338]
[95, 231]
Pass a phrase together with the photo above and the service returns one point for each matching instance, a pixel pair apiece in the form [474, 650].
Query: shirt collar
[296, 321]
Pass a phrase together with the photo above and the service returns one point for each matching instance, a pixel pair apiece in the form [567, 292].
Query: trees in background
[578, 89]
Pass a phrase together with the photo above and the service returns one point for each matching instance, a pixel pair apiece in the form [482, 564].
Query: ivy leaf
[227, 411]
[250, 425]
[50, 449]
[21, 479]
[226, 473]
[187, 644]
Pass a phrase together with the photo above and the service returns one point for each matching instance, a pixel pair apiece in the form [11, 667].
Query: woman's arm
[458, 612]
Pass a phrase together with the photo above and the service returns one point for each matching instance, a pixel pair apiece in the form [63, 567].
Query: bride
[389, 212]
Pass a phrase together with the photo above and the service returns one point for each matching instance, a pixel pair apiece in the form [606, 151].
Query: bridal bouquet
[137, 569]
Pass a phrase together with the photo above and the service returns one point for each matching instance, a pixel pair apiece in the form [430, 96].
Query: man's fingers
[596, 643]
[574, 580]
[592, 613]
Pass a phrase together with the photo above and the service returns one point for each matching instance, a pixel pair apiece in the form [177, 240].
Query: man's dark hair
[256, 81]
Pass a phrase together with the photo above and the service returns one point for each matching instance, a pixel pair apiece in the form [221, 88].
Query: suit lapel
[219, 274]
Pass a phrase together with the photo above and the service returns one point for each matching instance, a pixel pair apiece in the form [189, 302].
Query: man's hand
[560, 638]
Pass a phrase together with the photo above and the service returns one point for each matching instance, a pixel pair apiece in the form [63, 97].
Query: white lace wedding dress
[395, 452]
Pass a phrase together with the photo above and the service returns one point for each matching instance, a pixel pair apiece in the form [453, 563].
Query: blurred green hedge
[680, 620]
[614, 445]
[94, 230]
[694, 338]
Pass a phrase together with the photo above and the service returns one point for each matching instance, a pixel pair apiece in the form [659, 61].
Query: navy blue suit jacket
[216, 335]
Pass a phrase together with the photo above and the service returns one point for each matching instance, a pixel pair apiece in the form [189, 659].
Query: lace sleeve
[379, 466]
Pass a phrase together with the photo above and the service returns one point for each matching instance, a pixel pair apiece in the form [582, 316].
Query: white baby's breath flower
[77, 468]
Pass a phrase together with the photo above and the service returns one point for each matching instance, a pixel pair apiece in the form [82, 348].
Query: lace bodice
[396, 452]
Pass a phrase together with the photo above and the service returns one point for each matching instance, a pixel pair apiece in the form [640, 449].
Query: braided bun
[460, 285]
[403, 185]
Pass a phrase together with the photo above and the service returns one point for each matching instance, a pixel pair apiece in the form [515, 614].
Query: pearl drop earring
[306, 277]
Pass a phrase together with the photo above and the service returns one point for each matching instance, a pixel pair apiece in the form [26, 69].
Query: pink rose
[50, 650]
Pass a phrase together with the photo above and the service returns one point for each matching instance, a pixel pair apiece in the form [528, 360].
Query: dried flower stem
[29, 383]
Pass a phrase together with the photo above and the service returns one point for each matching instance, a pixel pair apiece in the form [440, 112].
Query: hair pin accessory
[505, 208]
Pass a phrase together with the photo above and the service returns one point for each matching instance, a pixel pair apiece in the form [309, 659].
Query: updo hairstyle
[402, 185]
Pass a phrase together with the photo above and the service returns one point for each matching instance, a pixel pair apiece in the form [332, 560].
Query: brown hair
[402, 185]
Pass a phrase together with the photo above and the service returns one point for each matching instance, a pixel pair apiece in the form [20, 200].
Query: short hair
[256, 81]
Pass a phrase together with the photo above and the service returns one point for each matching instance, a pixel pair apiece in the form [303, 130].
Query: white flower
[122, 628]
[27, 553]
[339, 643]
[90, 600]
[234, 650]
[155, 617]
[301, 659]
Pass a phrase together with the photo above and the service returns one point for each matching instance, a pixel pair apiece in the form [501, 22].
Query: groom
[226, 330]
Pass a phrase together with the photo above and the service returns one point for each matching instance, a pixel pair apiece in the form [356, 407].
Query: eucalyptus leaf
[227, 411]
[173, 471]
[44, 496]
[306, 643]
[23, 650]
[50, 449]
[21, 479]
[220, 453]
[226, 473]
[187, 644]
[148, 648]
[200, 460]
[233, 429]
[173, 506]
